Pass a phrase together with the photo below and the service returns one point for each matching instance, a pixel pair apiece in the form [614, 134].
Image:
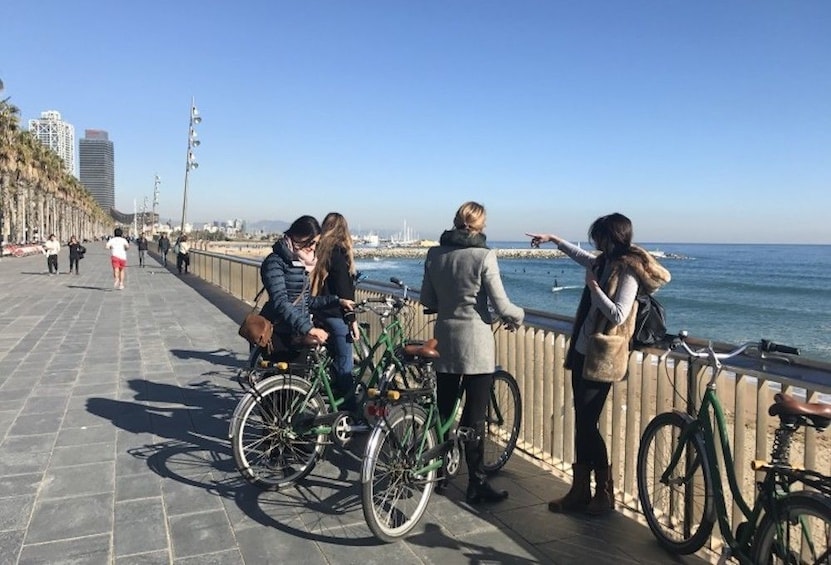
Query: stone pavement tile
[7, 419]
[127, 463]
[227, 557]
[483, 547]
[351, 545]
[275, 547]
[81, 417]
[52, 390]
[202, 532]
[89, 453]
[17, 463]
[92, 478]
[59, 377]
[10, 543]
[538, 525]
[16, 485]
[187, 498]
[86, 435]
[153, 558]
[33, 424]
[144, 485]
[16, 511]
[140, 526]
[95, 389]
[10, 406]
[88, 550]
[49, 404]
[29, 444]
[16, 390]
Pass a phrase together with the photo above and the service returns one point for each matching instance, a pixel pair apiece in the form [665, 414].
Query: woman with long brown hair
[606, 315]
[334, 275]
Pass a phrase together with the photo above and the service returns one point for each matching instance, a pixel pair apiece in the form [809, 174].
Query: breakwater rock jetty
[417, 252]
[261, 249]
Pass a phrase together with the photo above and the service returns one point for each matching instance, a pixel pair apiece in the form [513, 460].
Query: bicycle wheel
[503, 420]
[679, 507]
[798, 530]
[273, 435]
[395, 498]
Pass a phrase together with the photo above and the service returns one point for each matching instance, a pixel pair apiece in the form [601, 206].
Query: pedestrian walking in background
[605, 316]
[118, 247]
[141, 244]
[76, 253]
[51, 248]
[183, 254]
[461, 281]
[164, 247]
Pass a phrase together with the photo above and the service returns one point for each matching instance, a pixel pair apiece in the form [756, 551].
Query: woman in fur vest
[599, 347]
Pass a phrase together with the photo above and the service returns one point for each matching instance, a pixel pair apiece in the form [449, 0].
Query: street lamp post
[155, 203]
[190, 162]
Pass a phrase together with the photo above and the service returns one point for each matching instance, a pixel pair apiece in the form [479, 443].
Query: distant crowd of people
[118, 244]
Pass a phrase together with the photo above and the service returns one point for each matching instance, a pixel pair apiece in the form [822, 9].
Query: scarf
[305, 256]
[463, 238]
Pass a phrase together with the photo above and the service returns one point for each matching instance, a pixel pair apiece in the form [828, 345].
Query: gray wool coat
[458, 284]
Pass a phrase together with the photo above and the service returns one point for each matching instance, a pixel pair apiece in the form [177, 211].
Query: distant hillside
[268, 226]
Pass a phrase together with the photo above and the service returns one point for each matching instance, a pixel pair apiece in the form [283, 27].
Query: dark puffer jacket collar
[463, 238]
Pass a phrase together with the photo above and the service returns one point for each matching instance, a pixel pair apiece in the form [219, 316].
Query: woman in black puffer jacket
[285, 274]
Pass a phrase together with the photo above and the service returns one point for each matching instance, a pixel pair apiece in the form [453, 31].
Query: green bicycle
[411, 442]
[680, 478]
[290, 412]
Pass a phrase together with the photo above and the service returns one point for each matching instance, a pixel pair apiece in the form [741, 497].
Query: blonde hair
[471, 217]
[334, 233]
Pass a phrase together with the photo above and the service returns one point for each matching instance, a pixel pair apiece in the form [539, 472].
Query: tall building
[57, 135]
[97, 171]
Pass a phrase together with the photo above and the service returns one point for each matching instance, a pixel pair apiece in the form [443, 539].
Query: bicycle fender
[691, 421]
[256, 390]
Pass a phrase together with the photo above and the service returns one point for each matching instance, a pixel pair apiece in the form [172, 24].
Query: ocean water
[725, 292]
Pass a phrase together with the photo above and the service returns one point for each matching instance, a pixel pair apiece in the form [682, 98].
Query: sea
[725, 292]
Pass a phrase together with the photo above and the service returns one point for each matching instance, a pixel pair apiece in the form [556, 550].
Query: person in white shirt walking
[51, 248]
[118, 247]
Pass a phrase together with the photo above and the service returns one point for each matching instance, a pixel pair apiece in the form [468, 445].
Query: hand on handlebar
[319, 333]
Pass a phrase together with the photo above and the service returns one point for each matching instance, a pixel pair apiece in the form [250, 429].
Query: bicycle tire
[681, 515]
[798, 530]
[394, 500]
[504, 418]
[272, 434]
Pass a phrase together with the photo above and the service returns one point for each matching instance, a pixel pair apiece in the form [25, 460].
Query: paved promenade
[114, 408]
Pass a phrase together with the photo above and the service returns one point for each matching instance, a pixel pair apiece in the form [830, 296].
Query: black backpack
[650, 322]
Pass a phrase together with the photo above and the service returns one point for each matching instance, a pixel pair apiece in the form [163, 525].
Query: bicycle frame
[700, 427]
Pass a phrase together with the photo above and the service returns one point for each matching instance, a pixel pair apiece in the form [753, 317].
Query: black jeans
[477, 389]
[589, 398]
[182, 261]
[52, 263]
[73, 261]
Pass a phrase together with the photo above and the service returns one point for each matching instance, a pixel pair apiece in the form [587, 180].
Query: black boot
[478, 489]
[579, 495]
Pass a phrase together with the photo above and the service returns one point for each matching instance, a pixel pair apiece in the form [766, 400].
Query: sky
[705, 121]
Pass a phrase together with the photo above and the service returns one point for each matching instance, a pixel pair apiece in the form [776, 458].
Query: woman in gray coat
[461, 279]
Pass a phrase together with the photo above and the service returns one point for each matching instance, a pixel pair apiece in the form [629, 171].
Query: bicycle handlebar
[763, 346]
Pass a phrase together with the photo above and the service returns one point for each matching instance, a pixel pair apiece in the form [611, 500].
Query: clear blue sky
[704, 121]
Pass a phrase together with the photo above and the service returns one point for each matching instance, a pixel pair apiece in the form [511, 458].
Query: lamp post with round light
[190, 162]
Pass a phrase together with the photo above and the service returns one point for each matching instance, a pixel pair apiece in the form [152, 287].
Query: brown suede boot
[578, 497]
[604, 492]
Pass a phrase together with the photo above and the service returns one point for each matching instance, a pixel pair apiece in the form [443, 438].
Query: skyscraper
[97, 171]
[57, 135]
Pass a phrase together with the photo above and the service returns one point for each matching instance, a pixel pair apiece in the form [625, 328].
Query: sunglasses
[304, 245]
